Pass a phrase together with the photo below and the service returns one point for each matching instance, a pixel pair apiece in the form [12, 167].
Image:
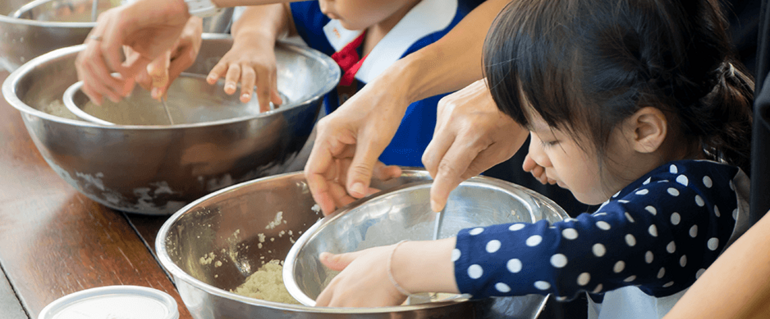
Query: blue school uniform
[427, 22]
[635, 256]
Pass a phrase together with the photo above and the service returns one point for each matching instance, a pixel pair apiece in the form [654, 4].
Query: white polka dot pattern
[619, 266]
[671, 247]
[534, 240]
[675, 218]
[673, 191]
[493, 246]
[713, 244]
[630, 240]
[598, 289]
[649, 235]
[559, 260]
[455, 254]
[514, 265]
[681, 179]
[651, 209]
[599, 250]
[653, 230]
[475, 271]
[583, 279]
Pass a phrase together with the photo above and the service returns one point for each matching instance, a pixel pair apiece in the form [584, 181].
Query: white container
[113, 302]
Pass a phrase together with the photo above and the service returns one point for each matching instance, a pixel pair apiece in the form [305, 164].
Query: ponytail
[723, 118]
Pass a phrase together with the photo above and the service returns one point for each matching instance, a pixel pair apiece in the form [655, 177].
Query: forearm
[452, 62]
[237, 3]
[425, 266]
[265, 22]
[737, 285]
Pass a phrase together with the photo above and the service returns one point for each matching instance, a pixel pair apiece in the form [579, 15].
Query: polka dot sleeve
[659, 233]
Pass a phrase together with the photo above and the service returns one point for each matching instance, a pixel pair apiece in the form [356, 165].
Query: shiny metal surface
[190, 100]
[229, 223]
[47, 25]
[158, 169]
[404, 213]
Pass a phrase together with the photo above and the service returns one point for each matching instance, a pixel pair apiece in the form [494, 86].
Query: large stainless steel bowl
[158, 169]
[404, 213]
[45, 25]
[230, 222]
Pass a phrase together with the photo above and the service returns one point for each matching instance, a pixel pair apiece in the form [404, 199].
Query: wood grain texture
[53, 240]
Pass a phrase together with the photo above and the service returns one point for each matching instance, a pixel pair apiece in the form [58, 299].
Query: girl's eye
[549, 143]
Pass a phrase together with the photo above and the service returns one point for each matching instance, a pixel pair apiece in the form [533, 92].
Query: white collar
[426, 17]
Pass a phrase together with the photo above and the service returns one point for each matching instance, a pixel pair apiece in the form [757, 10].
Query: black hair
[585, 65]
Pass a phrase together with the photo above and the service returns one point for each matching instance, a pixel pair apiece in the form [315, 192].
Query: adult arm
[737, 285]
[361, 128]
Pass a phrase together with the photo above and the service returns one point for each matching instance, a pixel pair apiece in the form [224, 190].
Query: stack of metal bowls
[30, 29]
[157, 169]
[234, 230]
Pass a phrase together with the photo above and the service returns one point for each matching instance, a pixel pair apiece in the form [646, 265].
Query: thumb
[337, 262]
[158, 71]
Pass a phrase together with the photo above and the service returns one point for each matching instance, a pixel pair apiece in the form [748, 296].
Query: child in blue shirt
[637, 105]
[363, 37]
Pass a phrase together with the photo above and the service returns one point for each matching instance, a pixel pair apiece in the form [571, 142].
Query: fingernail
[357, 188]
[245, 96]
[434, 206]
[230, 86]
[155, 92]
[324, 256]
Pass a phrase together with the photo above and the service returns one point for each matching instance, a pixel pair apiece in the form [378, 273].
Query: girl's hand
[537, 171]
[363, 281]
[250, 61]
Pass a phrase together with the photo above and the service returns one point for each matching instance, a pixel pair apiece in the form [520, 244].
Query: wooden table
[55, 241]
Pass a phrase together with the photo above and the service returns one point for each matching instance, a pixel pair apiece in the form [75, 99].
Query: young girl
[363, 37]
[636, 104]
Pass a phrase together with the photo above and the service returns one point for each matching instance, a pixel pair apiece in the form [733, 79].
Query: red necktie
[348, 60]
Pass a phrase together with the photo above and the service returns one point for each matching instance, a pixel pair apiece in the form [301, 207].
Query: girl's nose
[536, 151]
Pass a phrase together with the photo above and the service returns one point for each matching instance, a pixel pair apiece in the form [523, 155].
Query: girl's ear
[650, 128]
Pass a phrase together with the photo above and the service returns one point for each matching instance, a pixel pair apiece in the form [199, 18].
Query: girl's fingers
[217, 72]
[263, 89]
[248, 77]
[231, 80]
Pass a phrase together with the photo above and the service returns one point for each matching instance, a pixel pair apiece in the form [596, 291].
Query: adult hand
[471, 136]
[349, 141]
[251, 61]
[148, 27]
[162, 71]
[363, 281]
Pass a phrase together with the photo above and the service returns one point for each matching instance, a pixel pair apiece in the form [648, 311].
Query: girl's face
[574, 168]
[361, 14]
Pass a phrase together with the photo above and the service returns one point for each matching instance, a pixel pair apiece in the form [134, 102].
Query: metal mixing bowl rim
[47, 24]
[310, 233]
[176, 272]
[16, 76]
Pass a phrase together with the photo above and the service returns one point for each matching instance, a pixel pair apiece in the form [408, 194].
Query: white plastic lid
[113, 302]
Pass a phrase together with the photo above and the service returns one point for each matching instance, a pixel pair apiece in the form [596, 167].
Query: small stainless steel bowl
[157, 169]
[190, 100]
[229, 223]
[404, 213]
[31, 28]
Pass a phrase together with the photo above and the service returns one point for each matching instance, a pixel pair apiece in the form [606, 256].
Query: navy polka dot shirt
[659, 233]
